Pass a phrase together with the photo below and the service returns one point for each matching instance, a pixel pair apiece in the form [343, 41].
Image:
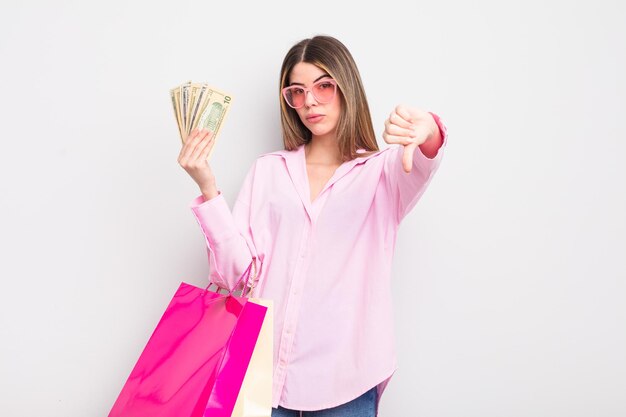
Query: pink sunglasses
[323, 91]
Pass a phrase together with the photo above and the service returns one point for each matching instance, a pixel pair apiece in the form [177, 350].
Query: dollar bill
[184, 99]
[198, 96]
[198, 105]
[175, 105]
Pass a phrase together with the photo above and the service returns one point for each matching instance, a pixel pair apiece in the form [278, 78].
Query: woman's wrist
[209, 192]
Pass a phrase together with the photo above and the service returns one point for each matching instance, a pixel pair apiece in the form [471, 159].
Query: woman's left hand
[409, 127]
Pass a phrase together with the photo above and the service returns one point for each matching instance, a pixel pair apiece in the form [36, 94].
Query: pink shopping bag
[195, 360]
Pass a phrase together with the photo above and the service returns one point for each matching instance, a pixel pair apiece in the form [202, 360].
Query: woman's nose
[309, 98]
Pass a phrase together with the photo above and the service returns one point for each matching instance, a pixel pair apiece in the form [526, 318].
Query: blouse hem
[380, 388]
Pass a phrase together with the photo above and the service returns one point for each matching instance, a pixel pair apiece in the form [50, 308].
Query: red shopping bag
[195, 361]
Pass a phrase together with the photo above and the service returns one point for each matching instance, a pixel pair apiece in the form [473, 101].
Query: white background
[509, 274]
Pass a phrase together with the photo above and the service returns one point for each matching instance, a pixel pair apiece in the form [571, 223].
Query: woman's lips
[315, 119]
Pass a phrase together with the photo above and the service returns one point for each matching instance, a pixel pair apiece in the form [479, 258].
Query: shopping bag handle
[246, 273]
[255, 277]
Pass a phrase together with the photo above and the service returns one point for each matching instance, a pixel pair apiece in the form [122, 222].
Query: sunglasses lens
[295, 96]
[324, 91]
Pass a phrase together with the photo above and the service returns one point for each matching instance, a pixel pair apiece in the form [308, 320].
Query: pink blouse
[326, 264]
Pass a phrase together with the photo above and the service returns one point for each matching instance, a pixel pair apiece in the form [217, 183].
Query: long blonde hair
[354, 129]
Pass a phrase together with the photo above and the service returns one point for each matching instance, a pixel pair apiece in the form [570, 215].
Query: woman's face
[305, 74]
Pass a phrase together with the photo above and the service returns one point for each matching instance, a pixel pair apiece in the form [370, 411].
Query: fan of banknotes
[198, 105]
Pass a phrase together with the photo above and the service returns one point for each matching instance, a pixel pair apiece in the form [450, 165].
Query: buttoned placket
[296, 289]
[299, 176]
[292, 308]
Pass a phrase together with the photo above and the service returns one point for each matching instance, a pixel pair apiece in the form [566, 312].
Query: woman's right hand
[193, 159]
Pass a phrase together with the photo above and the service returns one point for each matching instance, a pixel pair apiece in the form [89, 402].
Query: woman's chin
[319, 130]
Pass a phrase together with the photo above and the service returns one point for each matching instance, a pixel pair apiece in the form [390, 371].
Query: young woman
[321, 217]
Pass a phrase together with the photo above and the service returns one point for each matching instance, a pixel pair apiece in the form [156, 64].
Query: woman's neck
[323, 150]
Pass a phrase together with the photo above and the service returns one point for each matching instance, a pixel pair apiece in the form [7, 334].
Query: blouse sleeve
[230, 246]
[407, 188]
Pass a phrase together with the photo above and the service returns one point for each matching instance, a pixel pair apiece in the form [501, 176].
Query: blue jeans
[363, 406]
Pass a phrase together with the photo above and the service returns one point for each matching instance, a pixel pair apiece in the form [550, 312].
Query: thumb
[407, 156]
